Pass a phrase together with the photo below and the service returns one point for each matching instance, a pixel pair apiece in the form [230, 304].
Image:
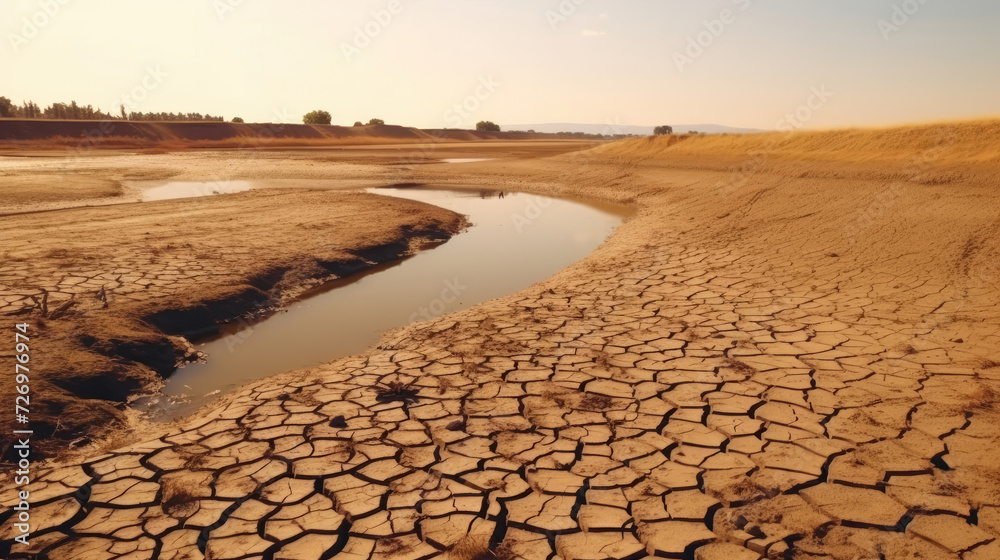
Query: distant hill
[626, 129]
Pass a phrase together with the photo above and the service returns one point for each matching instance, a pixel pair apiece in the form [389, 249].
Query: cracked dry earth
[102, 271]
[668, 396]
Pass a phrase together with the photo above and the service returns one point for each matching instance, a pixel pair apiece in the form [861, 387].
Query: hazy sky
[513, 61]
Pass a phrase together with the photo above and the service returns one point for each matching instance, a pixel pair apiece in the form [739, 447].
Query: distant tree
[531, 131]
[661, 130]
[317, 117]
[487, 126]
[375, 121]
[76, 111]
[359, 123]
[237, 120]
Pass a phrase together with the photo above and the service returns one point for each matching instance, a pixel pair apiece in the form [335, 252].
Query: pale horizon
[738, 63]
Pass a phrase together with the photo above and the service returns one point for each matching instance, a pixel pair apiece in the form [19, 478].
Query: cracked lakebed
[782, 363]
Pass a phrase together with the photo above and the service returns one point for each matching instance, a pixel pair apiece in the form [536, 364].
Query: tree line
[72, 111]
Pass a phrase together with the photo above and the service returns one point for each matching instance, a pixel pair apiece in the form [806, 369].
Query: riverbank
[115, 293]
[492, 257]
[786, 353]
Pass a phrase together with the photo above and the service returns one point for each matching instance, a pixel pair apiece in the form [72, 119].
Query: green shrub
[317, 117]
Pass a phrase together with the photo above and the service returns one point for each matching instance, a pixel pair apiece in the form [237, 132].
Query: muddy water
[515, 241]
[191, 189]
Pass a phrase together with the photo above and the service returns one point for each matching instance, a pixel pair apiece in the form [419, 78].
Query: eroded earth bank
[790, 352]
[110, 291]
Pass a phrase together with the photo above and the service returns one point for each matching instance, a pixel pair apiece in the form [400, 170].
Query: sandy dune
[790, 352]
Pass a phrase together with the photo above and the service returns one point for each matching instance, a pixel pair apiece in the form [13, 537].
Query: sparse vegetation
[478, 548]
[444, 384]
[389, 547]
[375, 122]
[663, 130]
[397, 391]
[73, 111]
[741, 368]
[603, 360]
[595, 402]
[487, 126]
[178, 499]
[984, 397]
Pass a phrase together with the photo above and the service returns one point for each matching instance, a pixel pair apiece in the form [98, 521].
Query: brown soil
[18, 190]
[135, 273]
[788, 353]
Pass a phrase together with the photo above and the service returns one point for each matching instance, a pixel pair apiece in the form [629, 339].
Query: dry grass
[476, 547]
[741, 368]
[397, 391]
[603, 360]
[984, 398]
[389, 547]
[595, 402]
[970, 143]
[179, 499]
[444, 384]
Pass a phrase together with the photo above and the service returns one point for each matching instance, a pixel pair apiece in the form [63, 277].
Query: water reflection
[516, 239]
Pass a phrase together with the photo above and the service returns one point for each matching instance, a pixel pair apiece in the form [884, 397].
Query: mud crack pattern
[662, 407]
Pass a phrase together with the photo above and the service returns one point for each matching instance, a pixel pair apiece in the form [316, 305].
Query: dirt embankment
[84, 135]
[133, 275]
[926, 154]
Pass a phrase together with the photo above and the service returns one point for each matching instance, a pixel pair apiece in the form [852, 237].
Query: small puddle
[192, 189]
[465, 160]
[515, 240]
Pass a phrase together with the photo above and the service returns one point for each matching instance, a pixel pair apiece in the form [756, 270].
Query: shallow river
[515, 241]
